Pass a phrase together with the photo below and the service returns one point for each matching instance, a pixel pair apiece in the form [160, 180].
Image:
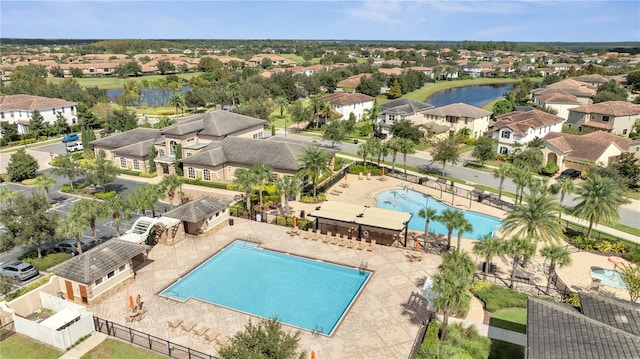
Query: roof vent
[621, 318]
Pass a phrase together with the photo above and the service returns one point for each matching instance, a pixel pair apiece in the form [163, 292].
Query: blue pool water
[413, 201]
[609, 277]
[301, 292]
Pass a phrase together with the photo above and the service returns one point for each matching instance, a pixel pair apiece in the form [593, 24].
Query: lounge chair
[360, 175]
[187, 326]
[309, 234]
[210, 336]
[368, 175]
[173, 324]
[372, 245]
[362, 244]
[200, 330]
[342, 241]
[326, 238]
[415, 256]
[351, 243]
[222, 340]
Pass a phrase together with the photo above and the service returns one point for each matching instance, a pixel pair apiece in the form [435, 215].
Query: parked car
[570, 173]
[19, 270]
[74, 147]
[70, 137]
[71, 246]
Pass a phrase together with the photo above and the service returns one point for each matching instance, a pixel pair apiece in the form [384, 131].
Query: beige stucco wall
[93, 291]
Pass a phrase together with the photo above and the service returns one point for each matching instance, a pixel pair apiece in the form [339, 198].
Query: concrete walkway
[83, 348]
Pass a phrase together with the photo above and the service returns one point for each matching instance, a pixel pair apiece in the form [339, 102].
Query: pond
[471, 95]
[151, 96]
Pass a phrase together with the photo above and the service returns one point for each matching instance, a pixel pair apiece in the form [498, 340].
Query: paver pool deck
[382, 322]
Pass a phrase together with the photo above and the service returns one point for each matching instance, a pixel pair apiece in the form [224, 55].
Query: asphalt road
[629, 213]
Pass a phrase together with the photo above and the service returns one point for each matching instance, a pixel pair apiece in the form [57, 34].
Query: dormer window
[506, 134]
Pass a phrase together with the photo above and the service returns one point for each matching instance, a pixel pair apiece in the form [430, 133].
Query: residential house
[559, 100]
[350, 83]
[276, 60]
[99, 270]
[17, 109]
[399, 110]
[458, 116]
[592, 79]
[581, 90]
[581, 151]
[634, 147]
[520, 127]
[603, 327]
[618, 117]
[347, 103]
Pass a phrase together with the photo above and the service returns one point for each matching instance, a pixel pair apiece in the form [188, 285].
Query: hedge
[218, 185]
[105, 195]
[28, 288]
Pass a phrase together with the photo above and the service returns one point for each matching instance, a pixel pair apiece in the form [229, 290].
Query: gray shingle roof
[616, 313]
[222, 123]
[458, 109]
[96, 262]
[404, 106]
[184, 126]
[126, 138]
[556, 331]
[138, 149]
[198, 209]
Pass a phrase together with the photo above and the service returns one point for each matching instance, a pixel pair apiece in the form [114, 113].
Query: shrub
[431, 336]
[496, 297]
[573, 300]
[148, 174]
[29, 182]
[480, 286]
[28, 288]
[468, 340]
[470, 141]
[357, 169]
[604, 247]
[303, 224]
[105, 195]
[549, 169]
[309, 199]
[205, 183]
[48, 261]
[65, 188]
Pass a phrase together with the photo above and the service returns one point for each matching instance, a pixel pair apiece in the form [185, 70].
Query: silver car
[19, 270]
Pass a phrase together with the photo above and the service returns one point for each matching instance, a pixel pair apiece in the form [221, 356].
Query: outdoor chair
[173, 324]
[360, 176]
[372, 245]
[222, 340]
[368, 175]
[210, 336]
[342, 241]
[362, 244]
[200, 330]
[187, 326]
[309, 234]
[351, 243]
[326, 238]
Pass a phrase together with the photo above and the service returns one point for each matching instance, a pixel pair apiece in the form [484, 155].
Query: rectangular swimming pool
[305, 293]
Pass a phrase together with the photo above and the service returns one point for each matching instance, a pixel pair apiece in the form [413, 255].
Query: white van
[76, 146]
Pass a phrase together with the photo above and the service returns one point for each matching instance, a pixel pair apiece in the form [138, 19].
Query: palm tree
[314, 163]
[405, 146]
[372, 114]
[488, 247]
[145, 196]
[88, 212]
[71, 227]
[463, 226]
[393, 147]
[557, 256]
[428, 214]
[599, 199]
[520, 177]
[563, 186]
[520, 249]
[450, 218]
[281, 103]
[263, 174]
[8, 196]
[245, 179]
[535, 219]
[178, 101]
[452, 285]
[45, 181]
[288, 186]
[117, 207]
[169, 185]
[234, 90]
[363, 150]
[501, 172]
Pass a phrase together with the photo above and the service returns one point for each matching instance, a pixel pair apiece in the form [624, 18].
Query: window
[136, 164]
[191, 172]
[392, 118]
[123, 162]
[206, 174]
[161, 152]
[504, 150]
[466, 121]
[111, 274]
[505, 134]
[98, 282]
[605, 118]
[173, 146]
[2, 115]
[122, 268]
[191, 139]
[624, 132]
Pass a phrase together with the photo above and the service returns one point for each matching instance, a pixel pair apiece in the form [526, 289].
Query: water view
[471, 95]
[151, 96]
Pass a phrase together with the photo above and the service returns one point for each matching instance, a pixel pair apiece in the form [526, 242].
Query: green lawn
[19, 346]
[505, 350]
[299, 60]
[113, 348]
[111, 83]
[510, 319]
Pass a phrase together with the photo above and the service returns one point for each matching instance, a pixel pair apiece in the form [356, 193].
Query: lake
[471, 95]
[151, 96]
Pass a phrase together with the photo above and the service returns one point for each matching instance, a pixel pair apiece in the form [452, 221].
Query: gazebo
[359, 221]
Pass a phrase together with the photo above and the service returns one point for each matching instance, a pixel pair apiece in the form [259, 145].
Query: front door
[83, 294]
[69, 289]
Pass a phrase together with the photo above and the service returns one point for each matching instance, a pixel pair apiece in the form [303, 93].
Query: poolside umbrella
[617, 260]
[295, 222]
[383, 171]
[131, 302]
[313, 355]
[345, 176]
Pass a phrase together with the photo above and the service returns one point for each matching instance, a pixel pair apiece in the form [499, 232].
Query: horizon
[521, 21]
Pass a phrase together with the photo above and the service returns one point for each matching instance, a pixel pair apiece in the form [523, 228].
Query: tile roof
[217, 123]
[30, 103]
[198, 209]
[404, 106]
[558, 331]
[613, 312]
[123, 139]
[558, 96]
[588, 147]
[352, 81]
[343, 98]
[610, 108]
[98, 261]
[458, 109]
[138, 149]
[592, 79]
[521, 121]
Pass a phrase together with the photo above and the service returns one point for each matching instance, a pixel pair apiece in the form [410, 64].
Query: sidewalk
[81, 349]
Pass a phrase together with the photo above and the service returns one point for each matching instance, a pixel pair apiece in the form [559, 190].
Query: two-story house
[581, 151]
[581, 90]
[522, 127]
[617, 117]
[398, 110]
[17, 109]
[347, 103]
[460, 115]
[560, 101]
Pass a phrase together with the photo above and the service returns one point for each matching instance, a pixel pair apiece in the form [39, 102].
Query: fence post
[131, 335]
[149, 339]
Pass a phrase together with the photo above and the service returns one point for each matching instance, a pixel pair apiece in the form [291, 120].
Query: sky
[481, 20]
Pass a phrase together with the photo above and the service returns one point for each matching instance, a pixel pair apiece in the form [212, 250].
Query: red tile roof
[610, 108]
[30, 103]
[521, 121]
[343, 98]
[588, 147]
